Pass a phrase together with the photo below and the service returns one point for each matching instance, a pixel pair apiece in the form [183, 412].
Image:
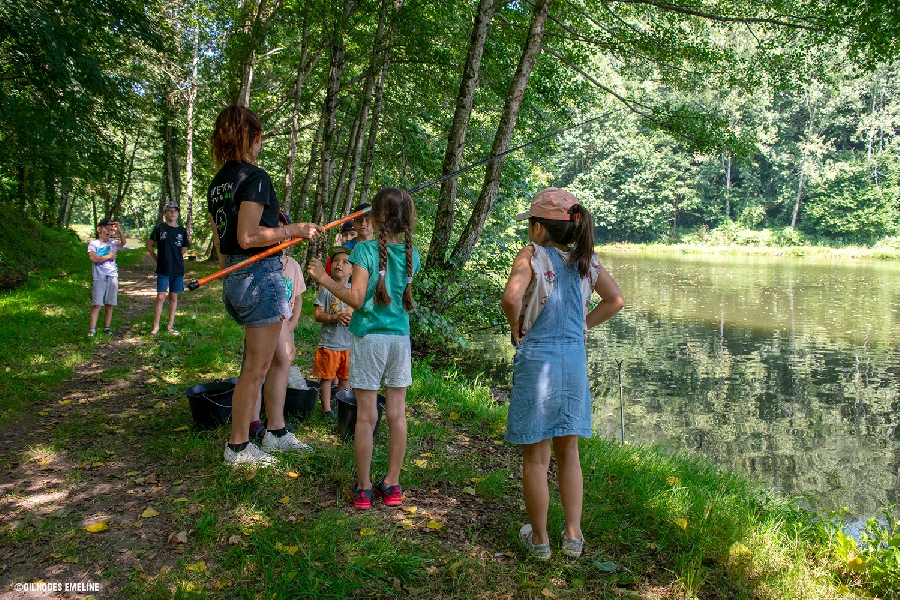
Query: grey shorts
[379, 358]
[105, 291]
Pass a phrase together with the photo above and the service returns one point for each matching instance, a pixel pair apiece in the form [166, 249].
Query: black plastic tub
[300, 403]
[210, 403]
[346, 401]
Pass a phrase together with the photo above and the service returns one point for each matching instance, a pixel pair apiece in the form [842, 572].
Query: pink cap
[551, 203]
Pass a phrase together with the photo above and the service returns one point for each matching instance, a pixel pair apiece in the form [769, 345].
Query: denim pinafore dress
[550, 391]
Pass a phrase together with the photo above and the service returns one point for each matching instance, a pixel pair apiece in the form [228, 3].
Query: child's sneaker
[288, 441]
[362, 499]
[539, 551]
[330, 416]
[250, 456]
[107, 330]
[92, 332]
[392, 495]
[572, 547]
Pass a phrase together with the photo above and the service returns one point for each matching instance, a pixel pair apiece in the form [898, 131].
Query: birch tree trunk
[189, 155]
[374, 73]
[256, 32]
[295, 122]
[728, 187]
[328, 114]
[456, 139]
[310, 171]
[466, 243]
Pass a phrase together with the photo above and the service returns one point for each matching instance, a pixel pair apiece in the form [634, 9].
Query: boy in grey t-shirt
[333, 353]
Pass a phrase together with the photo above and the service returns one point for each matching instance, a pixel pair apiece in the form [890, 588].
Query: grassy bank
[657, 525]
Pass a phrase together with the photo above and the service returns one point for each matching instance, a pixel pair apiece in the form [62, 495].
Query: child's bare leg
[343, 384]
[395, 412]
[107, 318]
[95, 313]
[571, 482]
[173, 306]
[366, 417]
[157, 311]
[325, 390]
[535, 463]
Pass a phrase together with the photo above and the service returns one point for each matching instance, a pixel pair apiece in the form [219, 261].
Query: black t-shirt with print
[238, 182]
[169, 242]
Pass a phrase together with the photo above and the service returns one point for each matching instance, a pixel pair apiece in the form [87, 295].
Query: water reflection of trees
[809, 416]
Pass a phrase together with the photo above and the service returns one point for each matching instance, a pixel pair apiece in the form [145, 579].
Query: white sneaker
[539, 551]
[250, 456]
[288, 441]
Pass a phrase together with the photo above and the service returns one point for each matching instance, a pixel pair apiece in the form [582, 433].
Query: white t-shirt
[107, 268]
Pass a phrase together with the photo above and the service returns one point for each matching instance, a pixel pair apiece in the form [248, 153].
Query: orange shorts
[329, 363]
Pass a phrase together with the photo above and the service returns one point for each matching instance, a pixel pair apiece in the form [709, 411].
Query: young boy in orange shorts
[333, 352]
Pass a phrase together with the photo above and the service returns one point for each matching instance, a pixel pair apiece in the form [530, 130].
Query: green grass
[657, 524]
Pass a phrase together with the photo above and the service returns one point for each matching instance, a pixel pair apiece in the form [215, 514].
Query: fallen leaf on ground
[672, 480]
[856, 564]
[469, 490]
[365, 531]
[97, 527]
[149, 513]
[454, 416]
[182, 428]
[432, 524]
[737, 549]
[286, 549]
[421, 463]
[177, 500]
[292, 475]
[159, 405]
[410, 509]
[43, 413]
[547, 593]
[285, 500]
[132, 473]
[681, 523]
[425, 454]
[406, 524]
[198, 567]
[64, 402]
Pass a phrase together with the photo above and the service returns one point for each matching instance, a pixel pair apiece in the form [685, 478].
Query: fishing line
[496, 156]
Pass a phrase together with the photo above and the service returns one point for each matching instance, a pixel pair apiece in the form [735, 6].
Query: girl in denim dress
[547, 304]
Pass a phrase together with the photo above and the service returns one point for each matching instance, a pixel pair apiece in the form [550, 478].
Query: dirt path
[78, 463]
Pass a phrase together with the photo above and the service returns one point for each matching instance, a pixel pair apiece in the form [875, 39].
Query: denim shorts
[379, 358]
[166, 283]
[254, 296]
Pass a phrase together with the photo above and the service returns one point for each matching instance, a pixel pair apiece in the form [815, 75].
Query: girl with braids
[243, 211]
[547, 304]
[381, 295]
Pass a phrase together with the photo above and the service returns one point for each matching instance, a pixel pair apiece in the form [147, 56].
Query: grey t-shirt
[333, 336]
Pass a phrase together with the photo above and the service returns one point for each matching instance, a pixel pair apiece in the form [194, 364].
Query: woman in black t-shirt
[243, 210]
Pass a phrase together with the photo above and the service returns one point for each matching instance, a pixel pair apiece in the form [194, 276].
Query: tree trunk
[295, 122]
[256, 32]
[345, 166]
[466, 243]
[189, 139]
[797, 203]
[94, 206]
[371, 77]
[310, 171]
[728, 188]
[456, 139]
[329, 111]
[64, 199]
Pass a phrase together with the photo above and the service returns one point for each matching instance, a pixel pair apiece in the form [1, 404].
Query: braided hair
[393, 213]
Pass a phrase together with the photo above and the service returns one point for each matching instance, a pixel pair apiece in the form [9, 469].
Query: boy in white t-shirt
[105, 290]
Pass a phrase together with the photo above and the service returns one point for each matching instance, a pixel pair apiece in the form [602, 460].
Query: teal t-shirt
[374, 318]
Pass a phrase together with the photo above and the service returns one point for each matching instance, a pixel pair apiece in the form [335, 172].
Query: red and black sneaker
[392, 494]
[362, 499]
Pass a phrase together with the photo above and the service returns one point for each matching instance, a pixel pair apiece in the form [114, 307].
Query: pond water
[784, 368]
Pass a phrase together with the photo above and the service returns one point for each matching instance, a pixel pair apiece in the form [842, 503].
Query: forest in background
[697, 116]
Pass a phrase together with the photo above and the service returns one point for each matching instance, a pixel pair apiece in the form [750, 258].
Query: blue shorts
[165, 283]
[254, 296]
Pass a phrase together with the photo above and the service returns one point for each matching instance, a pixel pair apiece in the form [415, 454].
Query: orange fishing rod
[285, 244]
